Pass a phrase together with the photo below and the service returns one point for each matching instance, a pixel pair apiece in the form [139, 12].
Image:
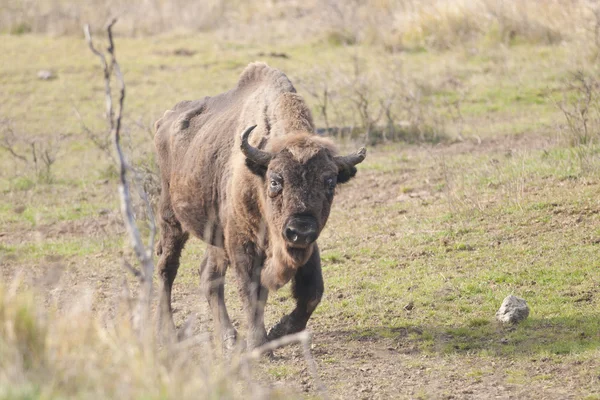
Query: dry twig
[305, 339]
[142, 252]
[8, 142]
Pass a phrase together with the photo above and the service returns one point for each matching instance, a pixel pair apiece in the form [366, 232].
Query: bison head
[300, 173]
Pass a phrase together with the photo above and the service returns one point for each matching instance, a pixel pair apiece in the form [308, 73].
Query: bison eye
[330, 184]
[275, 187]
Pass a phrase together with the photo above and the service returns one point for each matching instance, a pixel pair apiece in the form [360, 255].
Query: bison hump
[259, 73]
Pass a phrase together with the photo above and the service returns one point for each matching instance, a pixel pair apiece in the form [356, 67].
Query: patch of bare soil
[371, 367]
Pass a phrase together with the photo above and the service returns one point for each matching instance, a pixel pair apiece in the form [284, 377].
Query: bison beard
[259, 199]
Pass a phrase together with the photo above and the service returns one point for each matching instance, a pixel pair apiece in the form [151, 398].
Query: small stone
[409, 306]
[45, 75]
[513, 310]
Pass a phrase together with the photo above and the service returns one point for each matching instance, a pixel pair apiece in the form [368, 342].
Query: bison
[259, 200]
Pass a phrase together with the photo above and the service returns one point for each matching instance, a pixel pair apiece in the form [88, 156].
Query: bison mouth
[299, 254]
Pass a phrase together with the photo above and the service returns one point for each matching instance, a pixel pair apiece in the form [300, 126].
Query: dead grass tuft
[394, 24]
[74, 354]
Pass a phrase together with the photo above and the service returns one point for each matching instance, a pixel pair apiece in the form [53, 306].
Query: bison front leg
[307, 289]
[248, 264]
[255, 296]
[212, 274]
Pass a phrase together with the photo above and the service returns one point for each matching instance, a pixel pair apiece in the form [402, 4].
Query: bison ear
[347, 165]
[255, 168]
[344, 175]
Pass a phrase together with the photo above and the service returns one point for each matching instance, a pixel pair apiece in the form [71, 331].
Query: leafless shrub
[409, 114]
[360, 89]
[374, 105]
[580, 107]
[318, 86]
[143, 158]
[36, 153]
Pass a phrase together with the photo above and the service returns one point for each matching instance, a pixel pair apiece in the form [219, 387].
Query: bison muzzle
[244, 172]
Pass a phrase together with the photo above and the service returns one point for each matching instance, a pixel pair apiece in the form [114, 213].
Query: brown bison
[259, 200]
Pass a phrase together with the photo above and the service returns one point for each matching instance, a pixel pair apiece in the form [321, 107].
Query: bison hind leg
[212, 275]
[169, 247]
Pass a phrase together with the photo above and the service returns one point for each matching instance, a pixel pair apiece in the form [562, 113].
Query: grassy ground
[450, 229]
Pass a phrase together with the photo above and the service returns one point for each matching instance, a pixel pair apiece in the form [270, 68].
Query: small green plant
[20, 28]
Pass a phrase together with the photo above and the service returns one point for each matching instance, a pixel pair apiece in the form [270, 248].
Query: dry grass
[395, 24]
[61, 17]
[445, 24]
[75, 353]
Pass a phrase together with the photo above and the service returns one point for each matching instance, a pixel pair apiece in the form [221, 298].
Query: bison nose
[301, 231]
[299, 236]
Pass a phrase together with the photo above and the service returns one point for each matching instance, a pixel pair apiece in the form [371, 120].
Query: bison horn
[352, 159]
[252, 153]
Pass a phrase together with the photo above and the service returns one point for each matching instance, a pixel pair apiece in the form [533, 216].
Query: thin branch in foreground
[105, 70]
[305, 339]
[134, 271]
[143, 253]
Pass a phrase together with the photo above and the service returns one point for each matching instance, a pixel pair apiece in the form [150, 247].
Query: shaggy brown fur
[262, 219]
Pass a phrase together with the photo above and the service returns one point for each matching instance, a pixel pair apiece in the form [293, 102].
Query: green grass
[72, 247]
[281, 371]
[458, 267]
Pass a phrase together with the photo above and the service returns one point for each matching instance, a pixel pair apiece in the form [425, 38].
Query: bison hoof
[229, 341]
[286, 325]
[257, 339]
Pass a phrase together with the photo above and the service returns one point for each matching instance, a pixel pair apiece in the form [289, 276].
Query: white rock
[513, 309]
[45, 75]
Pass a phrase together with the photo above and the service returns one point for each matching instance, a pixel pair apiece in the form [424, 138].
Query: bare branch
[12, 152]
[143, 253]
[8, 142]
[134, 271]
[305, 339]
[105, 69]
